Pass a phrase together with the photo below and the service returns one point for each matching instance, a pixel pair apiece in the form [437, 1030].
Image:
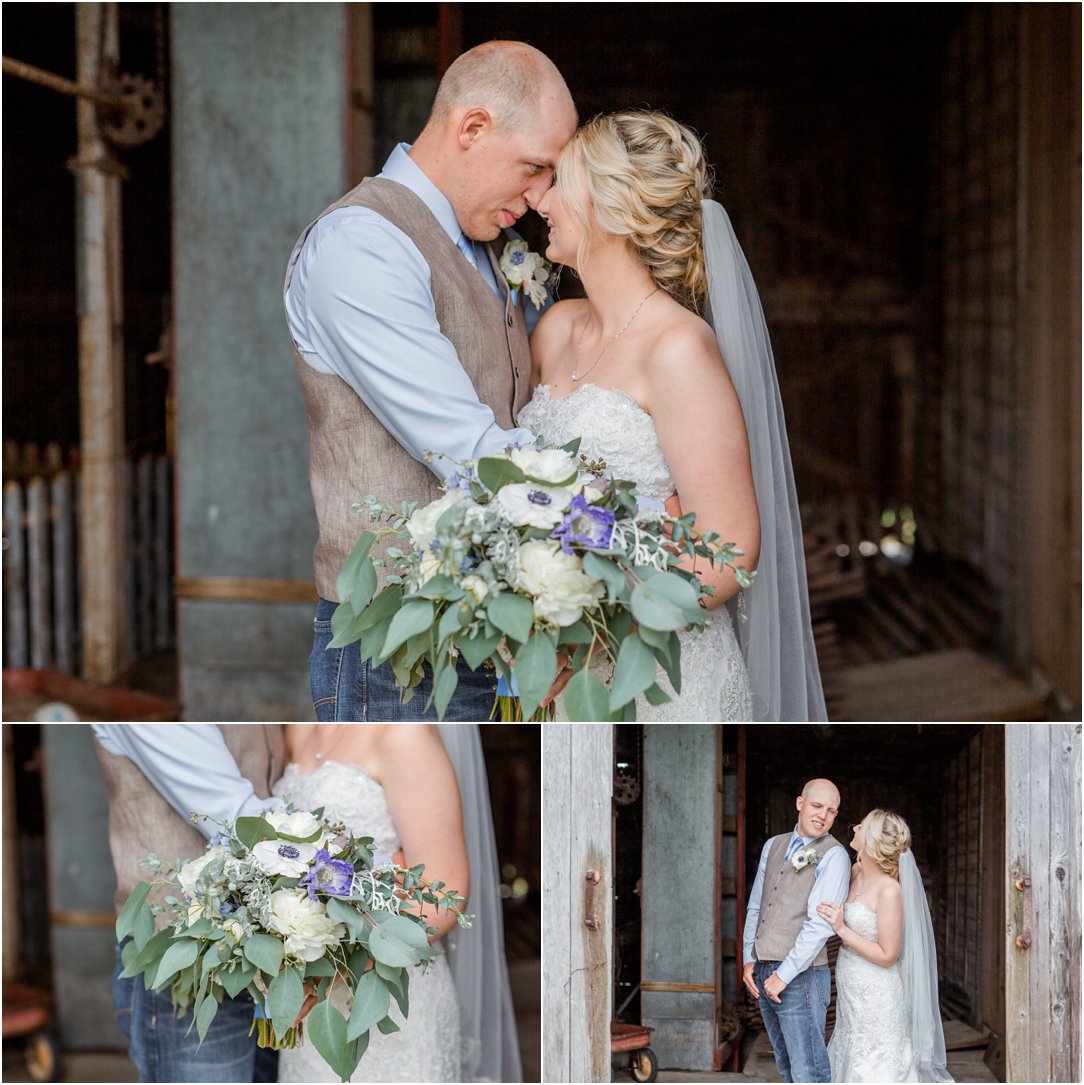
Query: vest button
[509, 320]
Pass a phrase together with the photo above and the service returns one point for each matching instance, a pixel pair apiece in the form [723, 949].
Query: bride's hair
[887, 837]
[645, 175]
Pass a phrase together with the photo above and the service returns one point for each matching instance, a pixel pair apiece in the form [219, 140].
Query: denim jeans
[344, 688]
[795, 1024]
[161, 1051]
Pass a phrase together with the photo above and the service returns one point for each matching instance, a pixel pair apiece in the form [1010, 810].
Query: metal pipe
[58, 83]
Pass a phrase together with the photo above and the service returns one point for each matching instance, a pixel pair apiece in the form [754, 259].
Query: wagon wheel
[643, 1064]
[42, 1056]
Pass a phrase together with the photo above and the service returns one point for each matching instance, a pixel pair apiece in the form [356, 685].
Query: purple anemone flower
[332, 877]
[584, 525]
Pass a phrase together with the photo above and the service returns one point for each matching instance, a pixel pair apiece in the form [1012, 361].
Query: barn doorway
[721, 792]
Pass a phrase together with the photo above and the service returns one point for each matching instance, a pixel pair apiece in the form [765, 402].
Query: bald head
[513, 81]
[817, 806]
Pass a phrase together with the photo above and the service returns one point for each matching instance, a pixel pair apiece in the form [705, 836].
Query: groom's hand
[774, 987]
[747, 979]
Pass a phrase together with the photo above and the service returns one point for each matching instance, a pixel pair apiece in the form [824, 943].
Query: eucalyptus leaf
[415, 616]
[371, 1002]
[352, 1053]
[495, 472]
[143, 928]
[361, 594]
[664, 602]
[611, 575]
[478, 648]
[180, 955]
[285, 996]
[319, 968]
[205, 1015]
[250, 831]
[131, 909]
[325, 1026]
[345, 581]
[443, 689]
[451, 621]
[402, 997]
[387, 1026]
[387, 946]
[382, 607]
[236, 979]
[441, 586]
[536, 668]
[635, 671]
[656, 695]
[264, 951]
[511, 613]
[586, 699]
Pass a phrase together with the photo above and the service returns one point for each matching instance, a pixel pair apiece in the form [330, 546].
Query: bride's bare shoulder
[552, 337]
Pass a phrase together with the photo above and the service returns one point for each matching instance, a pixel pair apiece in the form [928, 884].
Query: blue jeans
[795, 1024]
[344, 688]
[161, 1051]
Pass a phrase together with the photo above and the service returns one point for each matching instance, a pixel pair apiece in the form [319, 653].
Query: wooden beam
[101, 355]
[245, 589]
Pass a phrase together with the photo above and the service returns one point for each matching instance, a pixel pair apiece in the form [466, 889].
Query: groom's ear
[472, 125]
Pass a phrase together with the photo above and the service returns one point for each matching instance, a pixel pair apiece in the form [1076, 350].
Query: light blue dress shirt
[831, 881]
[360, 305]
[190, 766]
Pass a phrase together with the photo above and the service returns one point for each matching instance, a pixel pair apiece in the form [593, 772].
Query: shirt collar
[794, 837]
[402, 169]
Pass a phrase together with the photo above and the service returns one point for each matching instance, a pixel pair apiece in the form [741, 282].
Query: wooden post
[37, 545]
[359, 114]
[1042, 930]
[12, 884]
[101, 360]
[16, 648]
[577, 993]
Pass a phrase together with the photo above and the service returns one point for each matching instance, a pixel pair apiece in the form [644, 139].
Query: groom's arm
[833, 874]
[190, 766]
[360, 305]
[752, 918]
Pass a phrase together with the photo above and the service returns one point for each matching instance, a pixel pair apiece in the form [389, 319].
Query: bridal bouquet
[529, 553]
[284, 907]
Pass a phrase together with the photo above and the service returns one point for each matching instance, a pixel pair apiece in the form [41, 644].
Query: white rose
[275, 857]
[428, 567]
[307, 928]
[422, 524]
[300, 823]
[189, 874]
[552, 465]
[529, 505]
[235, 929]
[195, 912]
[475, 586]
[556, 581]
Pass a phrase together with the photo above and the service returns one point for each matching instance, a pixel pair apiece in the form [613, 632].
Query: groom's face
[817, 809]
[507, 171]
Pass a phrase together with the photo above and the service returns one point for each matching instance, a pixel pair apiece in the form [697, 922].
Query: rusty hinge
[1023, 939]
[590, 918]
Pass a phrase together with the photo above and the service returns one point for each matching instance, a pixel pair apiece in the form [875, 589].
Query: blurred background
[58, 887]
[905, 180]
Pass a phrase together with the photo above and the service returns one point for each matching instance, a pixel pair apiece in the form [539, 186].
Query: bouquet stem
[265, 1035]
[511, 711]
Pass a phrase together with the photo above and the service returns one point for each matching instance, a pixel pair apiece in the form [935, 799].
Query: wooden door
[1042, 951]
[577, 767]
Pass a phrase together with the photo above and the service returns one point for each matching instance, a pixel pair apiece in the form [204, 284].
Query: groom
[406, 338]
[786, 966]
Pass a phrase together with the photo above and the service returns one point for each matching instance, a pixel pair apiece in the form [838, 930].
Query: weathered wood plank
[1038, 959]
[37, 545]
[163, 540]
[557, 813]
[1017, 862]
[16, 640]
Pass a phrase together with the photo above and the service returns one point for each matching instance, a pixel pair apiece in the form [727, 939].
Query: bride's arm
[702, 433]
[423, 796]
[886, 950]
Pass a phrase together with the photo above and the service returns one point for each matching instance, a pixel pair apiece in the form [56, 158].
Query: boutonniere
[526, 269]
[805, 857]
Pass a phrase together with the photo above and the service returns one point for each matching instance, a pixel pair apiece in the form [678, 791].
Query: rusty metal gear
[141, 114]
[626, 788]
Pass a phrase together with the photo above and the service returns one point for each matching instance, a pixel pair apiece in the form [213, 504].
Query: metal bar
[58, 83]
[63, 573]
[37, 537]
[101, 388]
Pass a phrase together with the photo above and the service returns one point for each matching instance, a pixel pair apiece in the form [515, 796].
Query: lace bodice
[871, 1041]
[427, 1047]
[612, 426]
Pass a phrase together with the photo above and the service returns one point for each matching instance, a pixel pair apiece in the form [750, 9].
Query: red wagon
[643, 1065]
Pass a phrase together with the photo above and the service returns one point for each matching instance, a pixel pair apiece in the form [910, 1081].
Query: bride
[687, 409]
[888, 1025]
[420, 792]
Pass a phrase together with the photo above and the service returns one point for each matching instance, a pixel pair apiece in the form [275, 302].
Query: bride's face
[565, 231]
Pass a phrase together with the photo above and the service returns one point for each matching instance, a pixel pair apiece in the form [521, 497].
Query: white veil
[490, 1048]
[918, 966]
[775, 631]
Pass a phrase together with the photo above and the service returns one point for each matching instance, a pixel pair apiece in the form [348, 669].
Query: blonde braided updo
[887, 837]
[644, 176]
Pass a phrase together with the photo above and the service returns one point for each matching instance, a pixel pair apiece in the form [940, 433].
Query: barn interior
[947, 781]
[905, 183]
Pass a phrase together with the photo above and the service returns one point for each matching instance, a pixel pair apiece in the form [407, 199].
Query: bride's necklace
[576, 374]
[321, 754]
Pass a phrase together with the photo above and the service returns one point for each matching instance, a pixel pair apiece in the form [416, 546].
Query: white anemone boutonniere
[527, 270]
[805, 857]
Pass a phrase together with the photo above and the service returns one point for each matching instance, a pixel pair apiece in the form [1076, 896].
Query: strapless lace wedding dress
[427, 1047]
[612, 426]
[871, 1041]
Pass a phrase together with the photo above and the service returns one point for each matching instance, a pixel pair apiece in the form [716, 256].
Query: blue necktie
[466, 247]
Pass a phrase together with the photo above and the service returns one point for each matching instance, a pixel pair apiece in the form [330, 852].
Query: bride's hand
[832, 915]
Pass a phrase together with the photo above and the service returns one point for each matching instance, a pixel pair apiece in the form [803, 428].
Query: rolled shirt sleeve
[360, 305]
[190, 766]
[832, 880]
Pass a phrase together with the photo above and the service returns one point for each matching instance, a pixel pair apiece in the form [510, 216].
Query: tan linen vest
[351, 454]
[141, 821]
[784, 900]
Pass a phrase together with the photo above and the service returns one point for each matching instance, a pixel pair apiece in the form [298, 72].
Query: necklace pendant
[319, 756]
